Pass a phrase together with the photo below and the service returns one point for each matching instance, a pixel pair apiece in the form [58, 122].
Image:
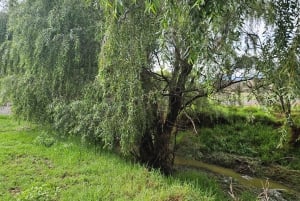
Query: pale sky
[1, 5]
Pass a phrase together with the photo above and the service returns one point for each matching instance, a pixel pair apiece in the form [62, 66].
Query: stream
[242, 179]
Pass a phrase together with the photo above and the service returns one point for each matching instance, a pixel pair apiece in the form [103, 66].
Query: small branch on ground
[231, 193]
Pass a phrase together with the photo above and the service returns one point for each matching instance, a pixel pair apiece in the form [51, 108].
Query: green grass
[242, 139]
[34, 169]
[251, 131]
[203, 181]
[256, 141]
[209, 114]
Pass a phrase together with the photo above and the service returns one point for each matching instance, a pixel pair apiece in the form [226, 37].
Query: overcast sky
[1, 4]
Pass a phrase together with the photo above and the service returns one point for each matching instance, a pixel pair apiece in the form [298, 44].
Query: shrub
[45, 139]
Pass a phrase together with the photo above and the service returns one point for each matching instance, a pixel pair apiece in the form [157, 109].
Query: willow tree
[125, 56]
[52, 52]
[157, 58]
[279, 52]
[3, 26]
[3, 35]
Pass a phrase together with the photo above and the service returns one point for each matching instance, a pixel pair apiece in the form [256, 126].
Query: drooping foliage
[125, 58]
[53, 51]
[192, 56]
[3, 36]
[279, 61]
[3, 26]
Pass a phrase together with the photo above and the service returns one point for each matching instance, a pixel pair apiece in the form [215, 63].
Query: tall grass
[65, 170]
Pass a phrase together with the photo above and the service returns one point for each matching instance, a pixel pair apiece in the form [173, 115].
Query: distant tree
[3, 36]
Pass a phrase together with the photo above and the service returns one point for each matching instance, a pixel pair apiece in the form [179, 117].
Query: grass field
[37, 167]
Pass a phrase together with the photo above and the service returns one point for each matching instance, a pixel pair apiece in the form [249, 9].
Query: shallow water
[242, 179]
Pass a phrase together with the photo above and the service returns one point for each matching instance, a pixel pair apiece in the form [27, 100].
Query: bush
[45, 139]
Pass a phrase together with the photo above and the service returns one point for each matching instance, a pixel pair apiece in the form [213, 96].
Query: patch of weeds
[201, 181]
[250, 140]
[39, 193]
[45, 139]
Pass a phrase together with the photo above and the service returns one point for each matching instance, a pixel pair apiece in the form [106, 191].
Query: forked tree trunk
[155, 148]
[155, 151]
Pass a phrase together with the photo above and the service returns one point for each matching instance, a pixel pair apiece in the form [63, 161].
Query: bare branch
[202, 93]
[191, 120]
[157, 75]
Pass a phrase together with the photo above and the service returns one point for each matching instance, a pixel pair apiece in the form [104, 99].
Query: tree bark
[295, 136]
[155, 148]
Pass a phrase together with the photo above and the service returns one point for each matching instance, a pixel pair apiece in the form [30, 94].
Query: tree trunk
[155, 151]
[155, 148]
[295, 136]
[295, 130]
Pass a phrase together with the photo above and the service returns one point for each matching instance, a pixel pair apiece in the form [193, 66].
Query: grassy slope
[247, 142]
[249, 132]
[66, 171]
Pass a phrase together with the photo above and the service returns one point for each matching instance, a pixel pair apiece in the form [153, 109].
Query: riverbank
[193, 147]
[241, 185]
[36, 166]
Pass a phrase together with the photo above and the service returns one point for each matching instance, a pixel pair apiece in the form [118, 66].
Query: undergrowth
[210, 114]
[244, 131]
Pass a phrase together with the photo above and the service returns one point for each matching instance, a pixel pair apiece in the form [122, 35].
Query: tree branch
[161, 76]
[191, 120]
[221, 86]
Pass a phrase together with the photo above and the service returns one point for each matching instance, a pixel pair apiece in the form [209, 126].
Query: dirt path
[5, 109]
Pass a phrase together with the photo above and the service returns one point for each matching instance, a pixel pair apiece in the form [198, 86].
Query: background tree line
[121, 73]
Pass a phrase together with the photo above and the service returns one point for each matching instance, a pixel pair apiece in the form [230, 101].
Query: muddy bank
[250, 167]
[253, 167]
[232, 182]
[245, 180]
